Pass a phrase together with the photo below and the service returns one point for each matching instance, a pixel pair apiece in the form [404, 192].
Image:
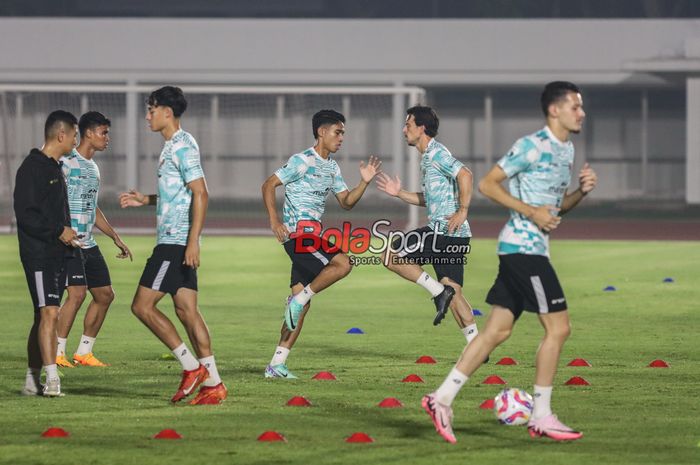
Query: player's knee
[139, 310]
[105, 297]
[343, 264]
[560, 332]
[77, 295]
[185, 312]
[497, 335]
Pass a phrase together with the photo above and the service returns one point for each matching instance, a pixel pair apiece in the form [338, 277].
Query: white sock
[543, 397]
[280, 356]
[447, 392]
[304, 296]
[86, 343]
[51, 371]
[210, 364]
[432, 286]
[33, 379]
[183, 354]
[61, 350]
[470, 332]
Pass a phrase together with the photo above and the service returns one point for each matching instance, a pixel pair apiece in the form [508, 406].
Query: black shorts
[447, 254]
[527, 282]
[306, 265]
[46, 280]
[88, 269]
[165, 271]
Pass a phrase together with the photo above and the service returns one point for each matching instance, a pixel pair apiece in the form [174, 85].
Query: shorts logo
[561, 300]
[54, 296]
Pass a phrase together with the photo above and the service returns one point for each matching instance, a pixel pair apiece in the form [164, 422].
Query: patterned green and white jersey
[539, 170]
[307, 180]
[439, 171]
[83, 182]
[179, 165]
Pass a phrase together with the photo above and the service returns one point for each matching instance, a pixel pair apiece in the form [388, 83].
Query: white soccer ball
[513, 406]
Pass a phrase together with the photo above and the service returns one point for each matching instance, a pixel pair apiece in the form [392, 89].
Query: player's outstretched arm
[587, 179]
[491, 186]
[200, 202]
[348, 199]
[392, 186]
[103, 225]
[268, 193]
[465, 181]
[134, 198]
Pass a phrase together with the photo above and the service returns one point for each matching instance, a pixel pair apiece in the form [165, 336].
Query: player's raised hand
[371, 169]
[279, 230]
[544, 219]
[133, 198]
[192, 255]
[386, 183]
[125, 252]
[587, 179]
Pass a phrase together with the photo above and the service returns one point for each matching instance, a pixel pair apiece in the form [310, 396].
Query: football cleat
[32, 391]
[88, 360]
[441, 416]
[551, 427]
[442, 303]
[279, 371]
[190, 381]
[63, 362]
[52, 388]
[292, 312]
[210, 395]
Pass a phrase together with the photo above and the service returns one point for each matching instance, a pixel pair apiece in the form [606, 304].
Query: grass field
[630, 414]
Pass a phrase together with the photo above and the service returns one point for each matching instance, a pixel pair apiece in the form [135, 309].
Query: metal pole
[281, 102]
[644, 133]
[488, 130]
[346, 112]
[413, 175]
[397, 142]
[84, 104]
[131, 134]
[6, 150]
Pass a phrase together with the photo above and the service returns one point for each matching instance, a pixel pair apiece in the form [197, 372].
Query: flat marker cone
[299, 401]
[390, 402]
[327, 375]
[359, 437]
[354, 331]
[493, 379]
[577, 381]
[487, 404]
[426, 359]
[476, 312]
[658, 363]
[668, 280]
[168, 434]
[55, 433]
[271, 436]
[506, 361]
[610, 288]
[413, 378]
[578, 362]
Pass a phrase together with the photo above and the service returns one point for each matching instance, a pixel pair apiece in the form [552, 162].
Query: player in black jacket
[45, 241]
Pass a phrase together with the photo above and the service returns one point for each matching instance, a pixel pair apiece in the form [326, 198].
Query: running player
[88, 270]
[447, 191]
[181, 207]
[539, 168]
[308, 177]
[45, 240]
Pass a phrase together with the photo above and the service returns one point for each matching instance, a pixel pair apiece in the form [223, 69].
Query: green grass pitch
[630, 414]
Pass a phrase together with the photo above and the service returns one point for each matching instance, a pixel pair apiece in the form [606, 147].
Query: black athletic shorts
[306, 265]
[165, 272]
[526, 282]
[88, 268]
[447, 254]
[46, 280]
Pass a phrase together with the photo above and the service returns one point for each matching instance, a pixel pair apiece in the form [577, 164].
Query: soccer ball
[513, 406]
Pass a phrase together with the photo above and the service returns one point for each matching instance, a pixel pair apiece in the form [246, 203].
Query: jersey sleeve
[446, 164]
[293, 170]
[189, 164]
[339, 184]
[519, 158]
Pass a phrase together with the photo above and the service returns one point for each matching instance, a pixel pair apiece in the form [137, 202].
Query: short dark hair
[426, 117]
[169, 96]
[324, 117]
[55, 120]
[555, 91]
[91, 120]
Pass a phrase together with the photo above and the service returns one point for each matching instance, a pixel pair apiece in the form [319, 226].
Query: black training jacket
[41, 208]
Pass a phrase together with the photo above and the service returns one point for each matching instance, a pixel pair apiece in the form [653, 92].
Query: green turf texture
[630, 414]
